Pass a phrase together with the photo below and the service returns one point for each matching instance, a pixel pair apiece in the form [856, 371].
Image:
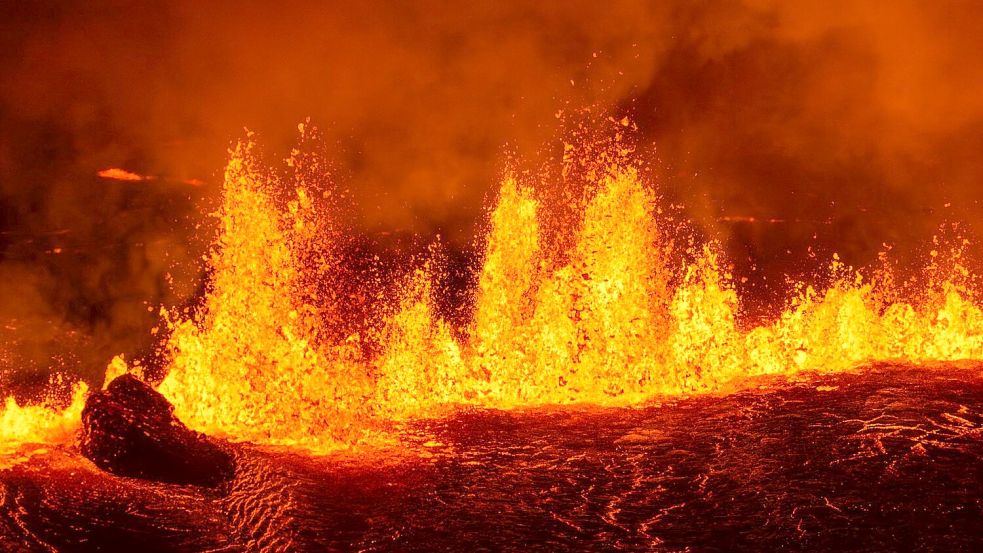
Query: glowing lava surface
[885, 459]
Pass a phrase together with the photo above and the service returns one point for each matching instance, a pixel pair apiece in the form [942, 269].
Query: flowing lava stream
[612, 312]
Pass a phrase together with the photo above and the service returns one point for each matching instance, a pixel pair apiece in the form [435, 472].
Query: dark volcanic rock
[129, 429]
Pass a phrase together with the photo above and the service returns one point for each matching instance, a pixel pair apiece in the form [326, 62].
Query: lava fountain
[623, 315]
[616, 309]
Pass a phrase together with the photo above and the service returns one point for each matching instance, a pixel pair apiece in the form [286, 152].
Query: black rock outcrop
[130, 429]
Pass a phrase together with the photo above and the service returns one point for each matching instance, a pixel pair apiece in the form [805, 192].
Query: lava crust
[888, 459]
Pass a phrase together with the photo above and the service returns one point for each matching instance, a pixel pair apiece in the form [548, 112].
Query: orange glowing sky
[855, 124]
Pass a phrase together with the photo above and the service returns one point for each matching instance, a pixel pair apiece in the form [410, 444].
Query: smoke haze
[850, 125]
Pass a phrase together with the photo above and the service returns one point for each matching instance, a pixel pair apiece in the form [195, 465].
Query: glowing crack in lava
[610, 311]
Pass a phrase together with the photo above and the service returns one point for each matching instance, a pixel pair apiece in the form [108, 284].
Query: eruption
[565, 277]
[614, 310]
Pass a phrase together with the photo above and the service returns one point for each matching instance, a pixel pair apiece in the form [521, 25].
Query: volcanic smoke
[631, 276]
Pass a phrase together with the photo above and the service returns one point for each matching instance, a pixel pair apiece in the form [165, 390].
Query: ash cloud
[854, 124]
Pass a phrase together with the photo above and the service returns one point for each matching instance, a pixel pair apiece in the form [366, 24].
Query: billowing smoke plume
[837, 126]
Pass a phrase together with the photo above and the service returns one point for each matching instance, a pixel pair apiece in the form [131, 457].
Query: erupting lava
[612, 312]
[39, 424]
[115, 173]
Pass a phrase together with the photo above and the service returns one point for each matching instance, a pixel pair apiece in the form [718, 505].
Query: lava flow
[614, 311]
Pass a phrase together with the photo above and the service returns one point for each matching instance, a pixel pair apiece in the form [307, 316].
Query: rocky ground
[889, 458]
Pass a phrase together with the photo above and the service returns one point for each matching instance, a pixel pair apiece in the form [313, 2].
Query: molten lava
[613, 311]
[43, 423]
[250, 362]
[115, 173]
